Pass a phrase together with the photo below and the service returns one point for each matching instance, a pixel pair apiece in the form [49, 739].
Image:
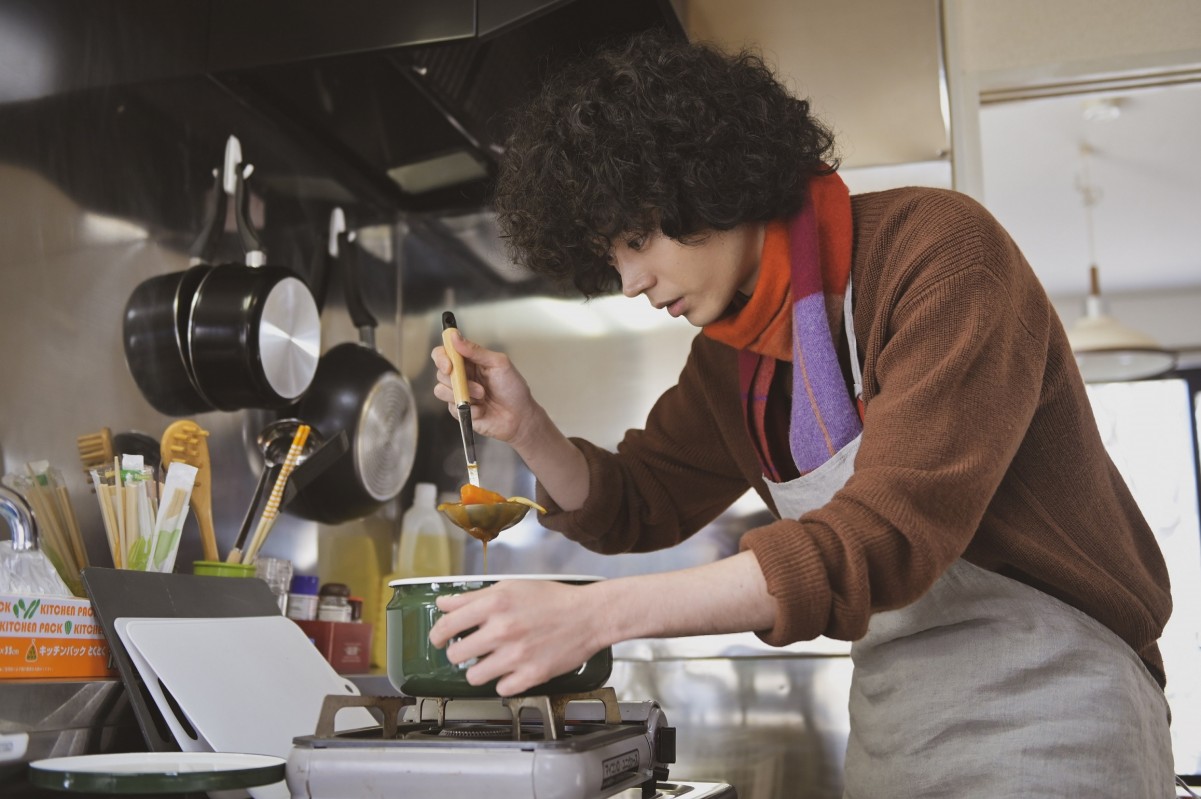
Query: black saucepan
[254, 336]
[156, 321]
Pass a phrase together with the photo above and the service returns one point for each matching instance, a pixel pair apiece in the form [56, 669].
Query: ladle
[485, 521]
[274, 440]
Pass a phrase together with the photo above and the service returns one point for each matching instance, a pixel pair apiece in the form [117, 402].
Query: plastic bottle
[302, 598]
[424, 551]
[424, 542]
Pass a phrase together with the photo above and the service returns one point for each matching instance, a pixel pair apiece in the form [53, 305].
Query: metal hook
[233, 159]
[337, 224]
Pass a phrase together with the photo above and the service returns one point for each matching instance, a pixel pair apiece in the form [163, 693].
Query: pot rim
[478, 578]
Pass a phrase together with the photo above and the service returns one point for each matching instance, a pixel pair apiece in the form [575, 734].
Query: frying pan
[156, 321]
[255, 332]
[356, 390]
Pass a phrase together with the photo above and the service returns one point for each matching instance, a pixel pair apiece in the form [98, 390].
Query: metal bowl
[417, 668]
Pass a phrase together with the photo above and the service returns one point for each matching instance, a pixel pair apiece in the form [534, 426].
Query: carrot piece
[473, 495]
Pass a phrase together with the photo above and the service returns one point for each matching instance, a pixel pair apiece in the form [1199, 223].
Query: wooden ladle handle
[458, 371]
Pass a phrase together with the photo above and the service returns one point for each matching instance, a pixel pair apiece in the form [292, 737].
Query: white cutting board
[245, 684]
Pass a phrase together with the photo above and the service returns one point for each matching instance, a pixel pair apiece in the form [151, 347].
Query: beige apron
[988, 687]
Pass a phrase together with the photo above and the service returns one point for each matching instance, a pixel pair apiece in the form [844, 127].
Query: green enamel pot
[418, 668]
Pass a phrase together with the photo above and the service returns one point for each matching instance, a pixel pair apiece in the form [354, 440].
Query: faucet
[15, 511]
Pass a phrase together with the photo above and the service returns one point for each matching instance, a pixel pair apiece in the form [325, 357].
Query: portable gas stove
[572, 746]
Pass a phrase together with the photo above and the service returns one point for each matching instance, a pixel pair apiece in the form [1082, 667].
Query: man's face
[696, 281]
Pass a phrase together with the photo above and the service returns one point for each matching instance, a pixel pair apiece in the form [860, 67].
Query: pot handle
[253, 246]
[234, 175]
[214, 225]
[597, 669]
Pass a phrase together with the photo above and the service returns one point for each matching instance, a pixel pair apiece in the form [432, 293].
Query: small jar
[302, 597]
[333, 603]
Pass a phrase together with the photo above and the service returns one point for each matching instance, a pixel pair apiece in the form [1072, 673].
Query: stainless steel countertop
[57, 718]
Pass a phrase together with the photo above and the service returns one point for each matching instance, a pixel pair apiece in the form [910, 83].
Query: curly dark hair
[657, 133]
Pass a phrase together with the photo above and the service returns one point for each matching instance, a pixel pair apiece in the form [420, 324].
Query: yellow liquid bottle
[424, 552]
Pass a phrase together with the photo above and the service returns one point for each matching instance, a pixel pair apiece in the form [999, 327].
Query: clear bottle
[424, 551]
[277, 573]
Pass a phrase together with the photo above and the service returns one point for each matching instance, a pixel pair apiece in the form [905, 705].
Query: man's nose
[633, 282]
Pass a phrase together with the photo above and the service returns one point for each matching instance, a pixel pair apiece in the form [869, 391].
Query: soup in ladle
[484, 514]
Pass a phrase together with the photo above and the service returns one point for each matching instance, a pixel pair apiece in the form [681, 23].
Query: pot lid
[289, 338]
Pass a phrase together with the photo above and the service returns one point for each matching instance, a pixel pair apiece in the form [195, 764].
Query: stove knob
[665, 745]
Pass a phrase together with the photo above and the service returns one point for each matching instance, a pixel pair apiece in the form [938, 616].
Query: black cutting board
[122, 593]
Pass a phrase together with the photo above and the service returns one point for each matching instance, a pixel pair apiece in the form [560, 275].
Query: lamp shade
[1108, 351]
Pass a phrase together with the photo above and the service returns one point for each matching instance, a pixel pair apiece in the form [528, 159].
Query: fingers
[472, 631]
[465, 348]
[505, 633]
[441, 360]
[458, 615]
[472, 354]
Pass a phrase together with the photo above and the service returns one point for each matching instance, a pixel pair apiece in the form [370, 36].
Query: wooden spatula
[186, 441]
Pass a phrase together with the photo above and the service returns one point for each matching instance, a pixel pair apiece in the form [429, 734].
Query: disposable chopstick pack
[177, 490]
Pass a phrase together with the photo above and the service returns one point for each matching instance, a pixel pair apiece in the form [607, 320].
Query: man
[887, 373]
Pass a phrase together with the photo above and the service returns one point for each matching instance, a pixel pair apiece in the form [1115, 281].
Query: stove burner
[485, 732]
[551, 710]
[475, 732]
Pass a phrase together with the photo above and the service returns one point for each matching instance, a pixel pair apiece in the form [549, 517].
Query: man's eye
[636, 243]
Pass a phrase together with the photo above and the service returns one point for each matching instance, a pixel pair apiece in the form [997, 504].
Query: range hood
[406, 100]
[381, 104]
[388, 109]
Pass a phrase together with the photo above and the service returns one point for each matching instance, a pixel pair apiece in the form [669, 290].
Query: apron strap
[848, 321]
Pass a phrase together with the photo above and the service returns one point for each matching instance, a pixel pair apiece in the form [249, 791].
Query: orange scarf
[794, 314]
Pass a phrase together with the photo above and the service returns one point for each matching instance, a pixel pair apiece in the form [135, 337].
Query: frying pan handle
[348, 258]
[214, 225]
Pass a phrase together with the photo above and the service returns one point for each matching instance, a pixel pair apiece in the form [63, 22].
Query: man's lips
[673, 307]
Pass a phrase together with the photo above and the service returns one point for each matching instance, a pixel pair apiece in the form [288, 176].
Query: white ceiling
[1146, 165]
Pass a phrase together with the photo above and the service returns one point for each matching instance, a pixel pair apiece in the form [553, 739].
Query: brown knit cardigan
[979, 442]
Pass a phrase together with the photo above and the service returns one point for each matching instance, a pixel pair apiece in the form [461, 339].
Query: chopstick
[128, 509]
[271, 510]
[47, 495]
[107, 516]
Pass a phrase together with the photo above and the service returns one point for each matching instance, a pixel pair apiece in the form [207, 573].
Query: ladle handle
[458, 373]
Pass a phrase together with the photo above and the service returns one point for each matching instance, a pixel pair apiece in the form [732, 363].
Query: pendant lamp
[1105, 349]
[1108, 351]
